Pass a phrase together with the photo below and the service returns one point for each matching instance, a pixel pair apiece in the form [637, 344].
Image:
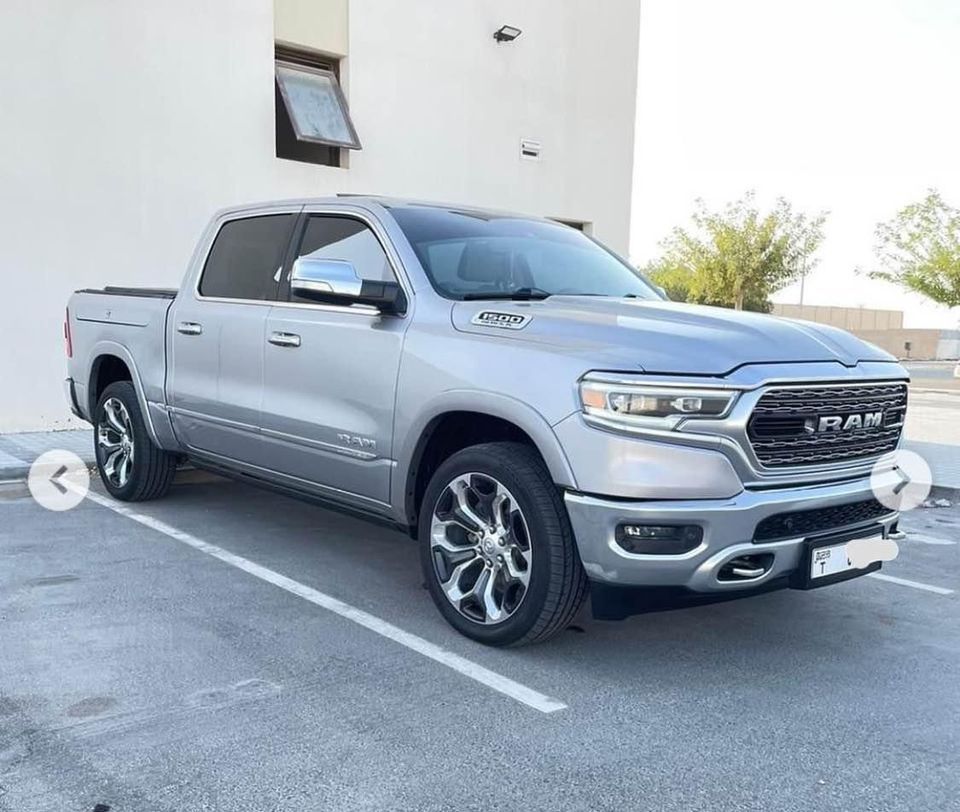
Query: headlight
[652, 406]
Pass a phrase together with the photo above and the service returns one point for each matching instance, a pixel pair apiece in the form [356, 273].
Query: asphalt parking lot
[196, 655]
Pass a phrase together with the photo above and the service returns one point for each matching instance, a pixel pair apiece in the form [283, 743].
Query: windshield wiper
[518, 295]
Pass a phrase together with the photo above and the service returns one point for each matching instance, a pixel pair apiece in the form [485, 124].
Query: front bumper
[728, 532]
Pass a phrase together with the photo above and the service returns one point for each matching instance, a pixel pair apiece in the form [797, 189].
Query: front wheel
[131, 467]
[497, 550]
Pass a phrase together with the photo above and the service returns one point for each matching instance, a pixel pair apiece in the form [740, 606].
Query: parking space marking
[491, 679]
[937, 590]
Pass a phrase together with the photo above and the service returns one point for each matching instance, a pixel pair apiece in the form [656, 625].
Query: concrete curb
[19, 473]
[945, 492]
[925, 391]
[12, 472]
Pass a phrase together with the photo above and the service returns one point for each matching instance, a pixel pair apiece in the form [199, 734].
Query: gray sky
[850, 106]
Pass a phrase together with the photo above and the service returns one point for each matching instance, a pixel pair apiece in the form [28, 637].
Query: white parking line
[491, 679]
[937, 590]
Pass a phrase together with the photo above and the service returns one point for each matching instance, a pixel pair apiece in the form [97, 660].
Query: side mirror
[662, 292]
[335, 281]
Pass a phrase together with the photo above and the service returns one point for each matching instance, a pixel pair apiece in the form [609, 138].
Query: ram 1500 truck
[509, 391]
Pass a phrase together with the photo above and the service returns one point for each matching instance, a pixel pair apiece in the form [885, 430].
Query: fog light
[659, 539]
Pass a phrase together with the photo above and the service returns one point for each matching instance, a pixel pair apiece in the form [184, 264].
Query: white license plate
[829, 561]
[855, 554]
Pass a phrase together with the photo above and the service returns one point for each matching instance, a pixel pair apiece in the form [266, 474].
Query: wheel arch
[110, 360]
[471, 419]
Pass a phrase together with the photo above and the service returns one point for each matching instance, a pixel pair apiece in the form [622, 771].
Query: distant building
[881, 327]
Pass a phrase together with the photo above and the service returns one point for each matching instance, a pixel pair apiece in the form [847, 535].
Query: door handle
[189, 328]
[284, 339]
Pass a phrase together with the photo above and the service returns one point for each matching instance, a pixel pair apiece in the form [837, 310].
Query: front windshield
[473, 255]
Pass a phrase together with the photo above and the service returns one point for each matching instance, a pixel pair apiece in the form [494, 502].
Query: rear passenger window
[246, 258]
[328, 237]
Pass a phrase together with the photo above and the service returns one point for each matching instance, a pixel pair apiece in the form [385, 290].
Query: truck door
[217, 338]
[330, 373]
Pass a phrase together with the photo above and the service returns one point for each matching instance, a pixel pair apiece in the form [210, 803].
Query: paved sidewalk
[933, 431]
[18, 451]
[943, 459]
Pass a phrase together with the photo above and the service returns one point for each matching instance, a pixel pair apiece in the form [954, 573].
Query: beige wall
[847, 318]
[924, 344]
[881, 327]
[317, 24]
[129, 123]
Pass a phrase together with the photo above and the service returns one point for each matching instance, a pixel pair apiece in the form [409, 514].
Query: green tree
[739, 256]
[919, 249]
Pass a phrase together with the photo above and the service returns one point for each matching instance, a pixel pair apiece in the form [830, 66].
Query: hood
[662, 337]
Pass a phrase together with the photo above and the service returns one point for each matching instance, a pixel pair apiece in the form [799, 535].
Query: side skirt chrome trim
[294, 482]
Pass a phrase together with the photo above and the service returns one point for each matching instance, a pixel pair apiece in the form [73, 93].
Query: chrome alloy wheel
[115, 441]
[480, 547]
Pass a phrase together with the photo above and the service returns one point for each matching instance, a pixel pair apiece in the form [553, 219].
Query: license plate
[826, 561]
[834, 559]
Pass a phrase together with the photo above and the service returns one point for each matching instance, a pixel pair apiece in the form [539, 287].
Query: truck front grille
[793, 426]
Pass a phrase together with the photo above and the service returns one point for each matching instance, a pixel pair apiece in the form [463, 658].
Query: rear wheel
[497, 550]
[131, 467]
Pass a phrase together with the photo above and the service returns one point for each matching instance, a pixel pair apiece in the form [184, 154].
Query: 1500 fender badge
[505, 321]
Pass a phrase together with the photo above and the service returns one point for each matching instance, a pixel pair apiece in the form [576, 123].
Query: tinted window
[349, 240]
[247, 257]
[473, 254]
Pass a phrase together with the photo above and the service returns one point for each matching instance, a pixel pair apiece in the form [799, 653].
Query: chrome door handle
[189, 328]
[284, 339]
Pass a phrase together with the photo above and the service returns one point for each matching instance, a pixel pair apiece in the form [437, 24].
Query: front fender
[410, 429]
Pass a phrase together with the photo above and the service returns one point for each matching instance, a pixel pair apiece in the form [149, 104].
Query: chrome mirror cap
[332, 276]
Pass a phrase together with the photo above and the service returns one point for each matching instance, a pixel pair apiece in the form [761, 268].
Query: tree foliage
[739, 256]
[919, 249]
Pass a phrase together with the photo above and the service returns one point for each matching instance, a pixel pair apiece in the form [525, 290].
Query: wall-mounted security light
[506, 33]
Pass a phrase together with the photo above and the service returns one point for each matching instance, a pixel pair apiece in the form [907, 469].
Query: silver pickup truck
[508, 391]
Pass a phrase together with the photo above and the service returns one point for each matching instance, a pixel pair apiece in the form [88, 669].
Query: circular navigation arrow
[58, 480]
[904, 486]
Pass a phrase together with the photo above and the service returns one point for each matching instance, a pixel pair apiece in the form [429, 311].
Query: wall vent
[529, 149]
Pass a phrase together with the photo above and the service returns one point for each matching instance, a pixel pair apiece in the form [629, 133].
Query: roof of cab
[369, 202]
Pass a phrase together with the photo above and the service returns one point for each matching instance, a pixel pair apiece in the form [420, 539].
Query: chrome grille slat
[778, 437]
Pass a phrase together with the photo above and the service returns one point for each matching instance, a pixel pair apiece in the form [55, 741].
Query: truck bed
[147, 293]
[129, 323]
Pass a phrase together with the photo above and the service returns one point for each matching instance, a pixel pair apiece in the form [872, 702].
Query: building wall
[949, 345]
[881, 327]
[924, 344]
[323, 26]
[127, 124]
[847, 318]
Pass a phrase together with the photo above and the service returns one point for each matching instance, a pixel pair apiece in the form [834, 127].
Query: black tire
[152, 468]
[557, 582]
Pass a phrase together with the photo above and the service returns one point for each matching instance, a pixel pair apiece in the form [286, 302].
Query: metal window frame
[338, 92]
[246, 215]
[293, 245]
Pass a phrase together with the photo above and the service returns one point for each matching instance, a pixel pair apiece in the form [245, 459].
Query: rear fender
[154, 413]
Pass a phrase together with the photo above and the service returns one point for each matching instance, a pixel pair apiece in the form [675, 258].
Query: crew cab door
[215, 371]
[330, 372]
